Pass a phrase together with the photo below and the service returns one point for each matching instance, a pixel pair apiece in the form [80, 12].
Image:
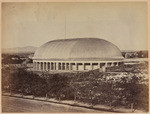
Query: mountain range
[27, 49]
[32, 49]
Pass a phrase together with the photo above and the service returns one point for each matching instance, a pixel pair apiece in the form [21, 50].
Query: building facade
[80, 54]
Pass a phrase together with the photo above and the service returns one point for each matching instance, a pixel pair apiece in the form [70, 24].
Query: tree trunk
[46, 96]
[132, 107]
[59, 99]
[74, 98]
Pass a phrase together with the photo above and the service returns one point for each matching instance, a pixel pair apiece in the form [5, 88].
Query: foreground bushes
[114, 90]
[127, 89]
[21, 81]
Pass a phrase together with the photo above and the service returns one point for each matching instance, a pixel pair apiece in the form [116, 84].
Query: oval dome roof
[78, 49]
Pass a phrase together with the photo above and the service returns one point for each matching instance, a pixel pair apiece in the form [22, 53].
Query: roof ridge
[71, 39]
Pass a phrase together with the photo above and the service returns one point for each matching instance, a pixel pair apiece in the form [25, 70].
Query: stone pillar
[61, 66]
[112, 64]
[117, 64]
[100, 68]
[99, 65]
[43, 66]
[39, 65]
[70, 66]
[46, 66]
[91, 66]
[53, 67]
[76, 64]
[57, 65]
[83, 66]
[103, 68]
[49, 66]
[54, 64]
[65, 66]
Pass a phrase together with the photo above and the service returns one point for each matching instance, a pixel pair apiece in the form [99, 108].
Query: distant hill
[27, 49]
[133, 50]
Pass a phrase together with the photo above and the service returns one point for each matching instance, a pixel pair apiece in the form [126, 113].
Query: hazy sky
[32, 24]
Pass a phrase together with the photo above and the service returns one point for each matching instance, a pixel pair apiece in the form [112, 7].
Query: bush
[93, 87]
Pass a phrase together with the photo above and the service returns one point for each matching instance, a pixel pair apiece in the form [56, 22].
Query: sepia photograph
[74, 57]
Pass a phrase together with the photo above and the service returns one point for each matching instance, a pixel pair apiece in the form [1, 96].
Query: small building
[79, 54]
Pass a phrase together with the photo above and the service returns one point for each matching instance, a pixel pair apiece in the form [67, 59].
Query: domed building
[79, 54]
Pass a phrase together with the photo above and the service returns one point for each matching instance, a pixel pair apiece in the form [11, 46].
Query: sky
[33, 24]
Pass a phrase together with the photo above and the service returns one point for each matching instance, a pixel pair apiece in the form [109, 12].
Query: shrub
[93, 87]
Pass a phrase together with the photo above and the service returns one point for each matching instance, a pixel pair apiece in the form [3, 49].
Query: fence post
[33, 96]
[22, 95]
